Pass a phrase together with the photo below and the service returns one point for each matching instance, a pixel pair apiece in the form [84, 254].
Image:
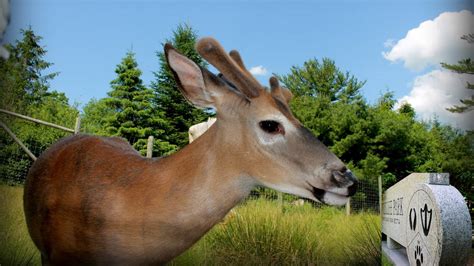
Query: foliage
[254, 233]
[128, 111]
[168, 99]
[16, 247]
[94, 116]
[375, 140]
[465, 66]
[23, 81]
[26, 90]
[258, 233]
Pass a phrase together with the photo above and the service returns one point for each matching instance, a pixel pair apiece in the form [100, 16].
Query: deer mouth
[331, 198]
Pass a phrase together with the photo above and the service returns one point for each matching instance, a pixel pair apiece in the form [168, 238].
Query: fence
[366, 199]
[15, 162]
[30, 137]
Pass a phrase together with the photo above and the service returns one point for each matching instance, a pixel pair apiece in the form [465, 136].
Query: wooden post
[149, 147]
[280, 200]
[37, 121]
[77, 127]
[348, 207]
[380, 194]
[17, 140]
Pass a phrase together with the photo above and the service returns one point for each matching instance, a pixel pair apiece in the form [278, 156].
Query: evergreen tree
[168, 99]
[23, 80]
[24, 88]
[465, 66]
[131, 114]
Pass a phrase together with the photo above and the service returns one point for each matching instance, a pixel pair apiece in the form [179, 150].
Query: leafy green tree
[168, 99]
[407, 109]
[128, 110]
[322, 80]
[328, 101]
[375, 140]
[94, 117]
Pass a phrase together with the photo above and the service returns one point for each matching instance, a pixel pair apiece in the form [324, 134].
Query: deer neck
[205, 180]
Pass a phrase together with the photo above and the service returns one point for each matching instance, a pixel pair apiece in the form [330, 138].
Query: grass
[257, 232]
[386, 261]
[16, 247]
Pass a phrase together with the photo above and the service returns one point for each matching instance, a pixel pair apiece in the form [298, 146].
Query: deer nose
[349, 175]
[352, 189]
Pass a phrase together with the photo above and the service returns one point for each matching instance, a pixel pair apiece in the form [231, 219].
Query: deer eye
[272, 127]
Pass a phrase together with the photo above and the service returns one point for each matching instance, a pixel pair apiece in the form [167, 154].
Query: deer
[95, 200]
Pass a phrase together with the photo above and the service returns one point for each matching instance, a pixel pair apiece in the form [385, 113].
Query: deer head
[256, 124]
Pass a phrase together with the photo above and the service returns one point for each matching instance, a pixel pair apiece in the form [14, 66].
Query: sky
[394, 46]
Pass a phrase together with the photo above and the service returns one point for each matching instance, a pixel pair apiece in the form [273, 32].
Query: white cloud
[437, 90]
[434, 41]
[258, 71]
[389, 43]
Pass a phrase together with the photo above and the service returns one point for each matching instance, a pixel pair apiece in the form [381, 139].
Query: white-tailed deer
[94, 200]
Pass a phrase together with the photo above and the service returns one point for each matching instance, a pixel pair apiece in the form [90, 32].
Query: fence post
[280, 200]
[380, 194]
[348, 207]
[149, 147]
[77, 127]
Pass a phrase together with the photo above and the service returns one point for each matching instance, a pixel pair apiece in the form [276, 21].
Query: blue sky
[87, 39]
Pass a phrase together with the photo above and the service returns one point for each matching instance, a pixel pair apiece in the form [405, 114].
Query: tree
[327, 101]
[25, 89]
[322, 80]
[23, 80]
[168, 99]
[128, 110]
[94, 117]
[374, 140]
[465, 66]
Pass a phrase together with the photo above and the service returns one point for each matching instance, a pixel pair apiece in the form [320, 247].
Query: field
[16, 247]
[257, 232]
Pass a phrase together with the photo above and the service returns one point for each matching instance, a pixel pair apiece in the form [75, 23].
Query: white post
[149, 147]
[348, 207]
[280, 200]
[380, 194]
[77, 127]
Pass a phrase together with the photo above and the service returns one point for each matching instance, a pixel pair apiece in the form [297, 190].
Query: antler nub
[231, 66]
[274, 84]
[280, 91]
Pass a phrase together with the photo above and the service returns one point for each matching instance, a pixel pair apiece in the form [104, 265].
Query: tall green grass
[16, 246]
[257, 232]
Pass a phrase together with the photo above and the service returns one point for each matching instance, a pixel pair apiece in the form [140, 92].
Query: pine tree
[23, 80]
[132, 114]
[465, 66]
[168, 99]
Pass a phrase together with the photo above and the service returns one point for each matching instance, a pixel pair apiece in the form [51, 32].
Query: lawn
[16, 247]
[257, 232]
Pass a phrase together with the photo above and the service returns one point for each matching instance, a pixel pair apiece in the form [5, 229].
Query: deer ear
[189, 78]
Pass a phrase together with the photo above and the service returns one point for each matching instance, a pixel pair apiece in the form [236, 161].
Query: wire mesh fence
[366, 199]
[15, 163]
